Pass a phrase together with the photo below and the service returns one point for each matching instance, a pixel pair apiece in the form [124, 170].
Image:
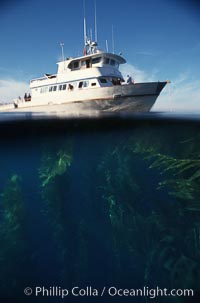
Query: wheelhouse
[97, 60]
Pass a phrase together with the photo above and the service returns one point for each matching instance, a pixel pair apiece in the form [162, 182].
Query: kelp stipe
[120, 193]
[12, 234]
[53, 175]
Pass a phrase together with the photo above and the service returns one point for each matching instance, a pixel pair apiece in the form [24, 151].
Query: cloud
[10, 89]
[138, 75]
[183, 94]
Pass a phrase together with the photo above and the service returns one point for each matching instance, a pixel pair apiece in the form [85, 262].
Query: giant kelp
[179, 252]
[151, 188]
[120, 192]
[54, 164]
[12, 234]
[53, 174]
[182, 174]
[63, 223]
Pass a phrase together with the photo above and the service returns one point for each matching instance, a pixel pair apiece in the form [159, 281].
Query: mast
[62, 50]
[95, 20]
[89, 45]
[85, 34]
[107, 46]
[113, 45]
[84, 24]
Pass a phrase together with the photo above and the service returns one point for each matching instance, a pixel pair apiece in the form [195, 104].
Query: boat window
[106, 61]
[93, 84]
[44, 89]
[52, 88]
[86, 63]
[76, 64]
[96, 60]
[103, 80]
[85, 83]
[62, 87]
[80, 84]
[112, 62]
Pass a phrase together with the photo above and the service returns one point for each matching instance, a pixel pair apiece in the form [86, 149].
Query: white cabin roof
[119, 59]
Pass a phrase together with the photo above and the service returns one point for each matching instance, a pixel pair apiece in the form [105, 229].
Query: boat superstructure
[83, 78]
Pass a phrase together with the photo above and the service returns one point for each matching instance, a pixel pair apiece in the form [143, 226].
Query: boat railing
[47, 76]
[38, 79]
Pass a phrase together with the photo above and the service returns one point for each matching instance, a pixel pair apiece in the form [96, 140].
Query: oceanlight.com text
[151, 293]
[89, 291]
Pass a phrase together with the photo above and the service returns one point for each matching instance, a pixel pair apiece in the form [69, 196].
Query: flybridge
[98, 60]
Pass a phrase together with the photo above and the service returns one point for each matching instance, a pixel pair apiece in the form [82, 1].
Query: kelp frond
[181, 174]
[54, 164]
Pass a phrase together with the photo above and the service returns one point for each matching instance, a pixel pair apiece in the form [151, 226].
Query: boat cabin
[89, 71]
[96, 60]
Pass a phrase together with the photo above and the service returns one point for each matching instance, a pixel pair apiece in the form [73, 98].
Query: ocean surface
[93, 209]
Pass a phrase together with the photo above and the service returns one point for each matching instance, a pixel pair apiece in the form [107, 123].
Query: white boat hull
[138, 97]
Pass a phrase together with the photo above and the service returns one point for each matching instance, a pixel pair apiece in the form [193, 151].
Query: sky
[160, 39]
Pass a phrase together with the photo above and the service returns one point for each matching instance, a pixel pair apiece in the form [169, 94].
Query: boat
[91, 82]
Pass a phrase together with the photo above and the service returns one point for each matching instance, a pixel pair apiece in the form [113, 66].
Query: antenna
[113, 45]
[95, 20]
[89, 45]
[107, 46]
[62, 50]
[84, 25]
[85, 35]
[91, 34]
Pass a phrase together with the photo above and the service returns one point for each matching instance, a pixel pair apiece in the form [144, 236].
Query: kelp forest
[108, 208]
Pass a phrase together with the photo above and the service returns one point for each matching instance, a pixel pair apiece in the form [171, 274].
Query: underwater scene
[100, 210]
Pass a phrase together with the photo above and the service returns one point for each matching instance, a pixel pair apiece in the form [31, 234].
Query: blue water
[110, 202]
